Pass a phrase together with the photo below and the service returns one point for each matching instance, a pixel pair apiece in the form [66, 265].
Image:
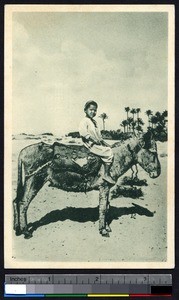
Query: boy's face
[91, 111]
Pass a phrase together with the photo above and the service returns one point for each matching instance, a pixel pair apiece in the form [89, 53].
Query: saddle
[75, 158]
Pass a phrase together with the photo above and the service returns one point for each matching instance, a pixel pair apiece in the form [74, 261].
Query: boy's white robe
[88, 129]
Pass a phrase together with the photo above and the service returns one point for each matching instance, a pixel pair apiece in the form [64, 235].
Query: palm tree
[133, 112]
[154, 121]
[148, 113]
[139, 128]
[103, 116]
[130, 120]
[124, 124]
[127, 124]
[161, 125]
[161, 117]
[158, 115]
[134, 123]
[140, 121]
[138, 110]
[127, 109]
[165, 114]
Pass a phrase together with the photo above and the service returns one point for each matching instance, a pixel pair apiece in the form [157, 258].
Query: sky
[61, 60]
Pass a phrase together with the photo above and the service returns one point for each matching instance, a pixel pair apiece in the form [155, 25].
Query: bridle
[140, 146]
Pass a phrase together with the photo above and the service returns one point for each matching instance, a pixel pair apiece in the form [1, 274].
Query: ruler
[46, 285]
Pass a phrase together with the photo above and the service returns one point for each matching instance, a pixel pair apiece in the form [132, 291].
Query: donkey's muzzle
[155, 174]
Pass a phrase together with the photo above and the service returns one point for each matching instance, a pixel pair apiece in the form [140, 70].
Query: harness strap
[38, 169]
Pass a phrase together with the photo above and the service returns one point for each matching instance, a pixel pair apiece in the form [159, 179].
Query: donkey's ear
[139, 134]
[149, 134]
[146, 140]
[142, 139]
[142, 142]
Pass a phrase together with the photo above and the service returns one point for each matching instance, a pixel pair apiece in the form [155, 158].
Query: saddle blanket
[76, 158]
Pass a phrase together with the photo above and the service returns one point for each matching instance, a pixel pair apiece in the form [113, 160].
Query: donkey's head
[147, 156]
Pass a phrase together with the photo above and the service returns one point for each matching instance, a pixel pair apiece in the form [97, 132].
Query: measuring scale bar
[86, 284]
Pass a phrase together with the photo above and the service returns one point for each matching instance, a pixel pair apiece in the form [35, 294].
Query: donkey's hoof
[104, 232]
[27, 235]
[108, 228]
[18, 231]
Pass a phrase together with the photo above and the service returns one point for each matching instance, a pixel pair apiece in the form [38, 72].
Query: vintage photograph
[89, 136]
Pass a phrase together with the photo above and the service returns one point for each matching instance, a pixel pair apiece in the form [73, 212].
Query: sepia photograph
[89, 136]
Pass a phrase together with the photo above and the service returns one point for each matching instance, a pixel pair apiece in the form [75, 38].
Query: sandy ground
[67, 223]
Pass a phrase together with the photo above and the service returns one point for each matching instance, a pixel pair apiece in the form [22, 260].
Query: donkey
[58, 164]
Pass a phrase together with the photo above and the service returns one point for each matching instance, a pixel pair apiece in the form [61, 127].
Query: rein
[132, 154]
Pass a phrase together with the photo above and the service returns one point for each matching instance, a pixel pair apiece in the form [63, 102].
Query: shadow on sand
[83, 215]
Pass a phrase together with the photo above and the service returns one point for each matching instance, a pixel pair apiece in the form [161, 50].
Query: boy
[93, 140]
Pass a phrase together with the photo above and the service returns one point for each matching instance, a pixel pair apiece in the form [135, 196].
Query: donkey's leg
[108, 228]
[31, 188]
[16, 217]
[19, 196]
[103, 198]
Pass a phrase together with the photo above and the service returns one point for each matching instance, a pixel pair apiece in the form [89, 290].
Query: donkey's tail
[20, 178]
[19, 195]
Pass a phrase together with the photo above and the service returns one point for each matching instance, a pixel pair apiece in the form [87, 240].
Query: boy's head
[91, 108]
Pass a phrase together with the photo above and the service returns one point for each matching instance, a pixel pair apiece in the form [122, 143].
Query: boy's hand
[94, 142]
[105, 144]
[98, 143]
